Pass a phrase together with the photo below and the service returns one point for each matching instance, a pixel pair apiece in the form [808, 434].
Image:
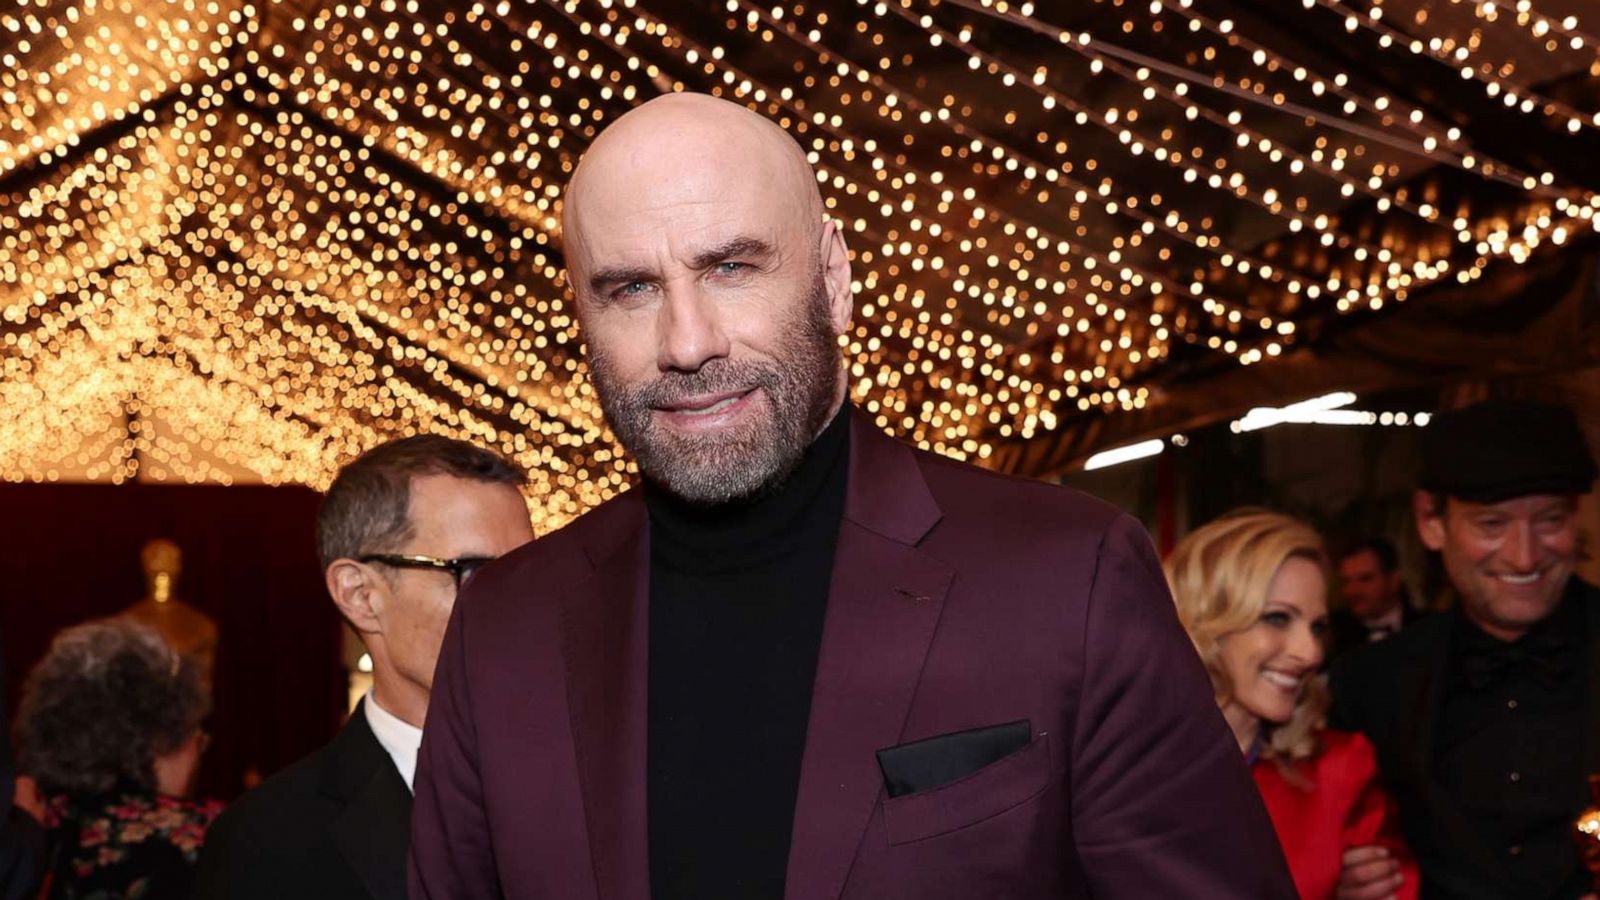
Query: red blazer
[960, 599]
[1339, 805]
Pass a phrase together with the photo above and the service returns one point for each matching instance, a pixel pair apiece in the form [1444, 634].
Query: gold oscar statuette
[189, 631]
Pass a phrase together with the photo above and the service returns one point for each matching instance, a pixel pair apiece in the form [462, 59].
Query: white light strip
[1266, 417]
[1118, 455]
[1335, 417]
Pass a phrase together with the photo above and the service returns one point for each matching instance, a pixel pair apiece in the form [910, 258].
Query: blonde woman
[1251, 589]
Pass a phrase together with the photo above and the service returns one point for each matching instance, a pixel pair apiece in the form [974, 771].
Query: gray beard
[799, 382]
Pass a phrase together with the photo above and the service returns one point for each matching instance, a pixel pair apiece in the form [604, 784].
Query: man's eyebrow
[605, 278]
[737, 247]
[731, 249]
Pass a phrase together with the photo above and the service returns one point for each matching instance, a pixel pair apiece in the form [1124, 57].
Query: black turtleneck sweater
[737, 596]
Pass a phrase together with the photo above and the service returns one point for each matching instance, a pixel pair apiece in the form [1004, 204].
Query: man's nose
[1521, 549]
[690, 331]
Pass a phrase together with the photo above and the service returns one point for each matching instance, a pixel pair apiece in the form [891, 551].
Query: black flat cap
[1500, 449]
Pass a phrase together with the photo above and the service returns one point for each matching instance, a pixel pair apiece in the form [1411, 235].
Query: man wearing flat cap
[1487, 719]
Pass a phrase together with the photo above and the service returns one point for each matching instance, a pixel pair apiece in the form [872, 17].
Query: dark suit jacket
[959, 599]
[1346, 633]
[1393, 691]
[333, 825]
[21, 840]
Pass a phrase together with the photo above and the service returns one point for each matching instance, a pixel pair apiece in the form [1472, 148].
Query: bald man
[805, 660]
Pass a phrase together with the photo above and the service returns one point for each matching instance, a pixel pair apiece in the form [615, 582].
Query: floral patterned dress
[125, 844]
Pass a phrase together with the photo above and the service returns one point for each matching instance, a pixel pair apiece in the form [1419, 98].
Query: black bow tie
[1547, 657]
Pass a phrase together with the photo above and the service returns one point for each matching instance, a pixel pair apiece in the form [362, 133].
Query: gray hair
[368, 507]
[108, 699]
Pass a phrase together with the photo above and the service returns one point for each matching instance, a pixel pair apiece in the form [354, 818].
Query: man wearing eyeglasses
[401, 529]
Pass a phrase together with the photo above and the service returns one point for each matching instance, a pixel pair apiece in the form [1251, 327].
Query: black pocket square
[931, 762]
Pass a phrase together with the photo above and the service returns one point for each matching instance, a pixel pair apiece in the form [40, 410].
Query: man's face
[1509, 561]
[451, 518]
[1369, 591]
[712, 329]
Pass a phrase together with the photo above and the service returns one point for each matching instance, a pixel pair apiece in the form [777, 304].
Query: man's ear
[1429, 511]
[359, 591]
[837, 277]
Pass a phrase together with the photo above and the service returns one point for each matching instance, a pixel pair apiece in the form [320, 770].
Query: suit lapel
[605, 639]
[884, 602]
[1423, 691]
[372, 831]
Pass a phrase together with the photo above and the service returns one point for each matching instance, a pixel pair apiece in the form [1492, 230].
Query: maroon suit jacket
[959, 599]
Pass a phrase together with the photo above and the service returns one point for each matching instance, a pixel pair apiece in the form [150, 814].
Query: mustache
[715, 377]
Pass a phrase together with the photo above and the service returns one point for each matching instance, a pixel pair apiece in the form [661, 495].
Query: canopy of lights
[246, 240]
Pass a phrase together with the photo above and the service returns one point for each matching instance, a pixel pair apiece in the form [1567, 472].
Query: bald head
[710, 291]
[681, 147]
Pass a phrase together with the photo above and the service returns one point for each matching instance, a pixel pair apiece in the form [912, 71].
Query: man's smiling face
[1510, 561]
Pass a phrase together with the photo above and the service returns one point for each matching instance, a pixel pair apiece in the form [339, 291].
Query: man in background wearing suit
[1374, 592]
[804, 660]
[1486, 719]
[402, 527]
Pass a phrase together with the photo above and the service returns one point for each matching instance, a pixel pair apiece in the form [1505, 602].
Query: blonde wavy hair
[1219, 576]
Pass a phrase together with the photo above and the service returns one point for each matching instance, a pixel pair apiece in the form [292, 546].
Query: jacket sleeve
[1162, 802]
[1372, 818]
[451, 854]
[244, 859]
[235, 863]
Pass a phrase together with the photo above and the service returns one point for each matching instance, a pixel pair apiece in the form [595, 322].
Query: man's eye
[632, 287]
[731, 268]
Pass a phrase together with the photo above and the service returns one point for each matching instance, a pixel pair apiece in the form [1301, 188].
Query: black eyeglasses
[461, 569]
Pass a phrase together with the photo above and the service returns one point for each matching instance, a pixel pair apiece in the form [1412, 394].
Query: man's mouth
[1520, 579]
[705, 404]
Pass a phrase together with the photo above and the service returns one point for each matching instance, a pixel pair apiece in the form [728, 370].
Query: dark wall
[71, 552]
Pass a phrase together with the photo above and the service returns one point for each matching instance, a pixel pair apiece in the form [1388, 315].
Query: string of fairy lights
[250, 239]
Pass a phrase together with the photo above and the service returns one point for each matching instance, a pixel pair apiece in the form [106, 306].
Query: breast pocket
[987, 792]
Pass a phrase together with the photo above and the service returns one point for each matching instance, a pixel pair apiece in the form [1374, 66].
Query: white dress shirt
[1384, 625]
[400, 739]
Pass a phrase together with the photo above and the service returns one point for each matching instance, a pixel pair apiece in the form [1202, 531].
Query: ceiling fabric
[243, 241]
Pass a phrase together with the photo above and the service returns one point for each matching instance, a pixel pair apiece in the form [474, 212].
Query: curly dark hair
[109, 697]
